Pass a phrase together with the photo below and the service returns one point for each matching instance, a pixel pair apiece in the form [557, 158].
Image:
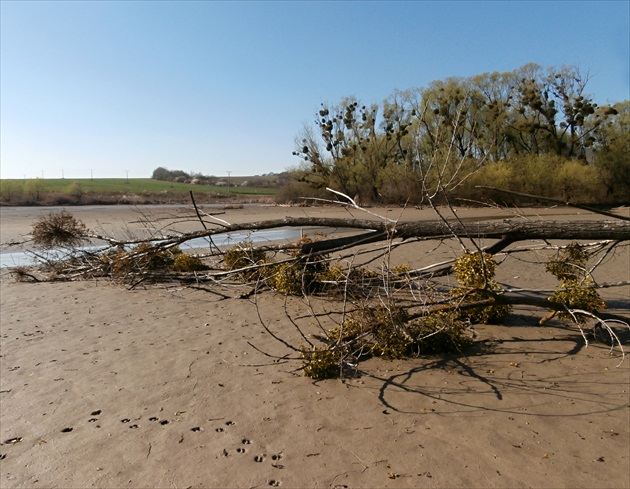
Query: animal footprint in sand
[276, 458]
[244, 441]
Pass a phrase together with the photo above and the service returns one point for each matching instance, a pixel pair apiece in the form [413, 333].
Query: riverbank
[101, 386]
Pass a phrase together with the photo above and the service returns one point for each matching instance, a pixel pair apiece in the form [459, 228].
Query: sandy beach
[160, 387]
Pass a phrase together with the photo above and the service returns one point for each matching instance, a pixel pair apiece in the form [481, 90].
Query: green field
[133, 185]
[81, 191]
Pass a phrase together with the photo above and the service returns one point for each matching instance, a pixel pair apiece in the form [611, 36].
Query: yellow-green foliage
[298, 277]
[391, 338]
[569, 264]
[288, 278]
[577, 289]
[402, 269]
[332, 279]
[321, 363]
[376, 331]
[475, 272]
[578, 294]
[303, 276]
[440, 333]
[352, 330]
[144, 257]
[335, 273]
[384, 332]
[244, 255]
[187, 263]
[546, 175]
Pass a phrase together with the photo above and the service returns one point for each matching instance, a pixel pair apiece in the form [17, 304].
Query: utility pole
[127, 172]
[62, 175]
[91, 174]
[229, 182]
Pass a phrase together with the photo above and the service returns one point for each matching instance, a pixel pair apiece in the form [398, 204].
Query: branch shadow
[506, 376]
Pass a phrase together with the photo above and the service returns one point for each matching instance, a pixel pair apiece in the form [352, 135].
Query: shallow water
[25, 258]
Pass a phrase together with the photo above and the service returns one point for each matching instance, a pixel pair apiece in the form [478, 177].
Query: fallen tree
[369, 304]
[390, 310]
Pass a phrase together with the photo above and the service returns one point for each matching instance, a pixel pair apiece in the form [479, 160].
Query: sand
[106, 387]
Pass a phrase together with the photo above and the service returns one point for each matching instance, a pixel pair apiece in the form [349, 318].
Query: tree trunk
[507, 231]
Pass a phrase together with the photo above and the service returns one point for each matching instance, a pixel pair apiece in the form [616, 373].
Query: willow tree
[384, 152]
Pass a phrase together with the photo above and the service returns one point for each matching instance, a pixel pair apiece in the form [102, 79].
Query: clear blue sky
[213, 87]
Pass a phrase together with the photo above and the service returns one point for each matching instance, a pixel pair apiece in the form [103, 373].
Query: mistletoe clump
[244, 256]
[475, 273]
[577, 288]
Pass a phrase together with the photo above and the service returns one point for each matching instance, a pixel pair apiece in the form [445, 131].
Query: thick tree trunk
[507, 231]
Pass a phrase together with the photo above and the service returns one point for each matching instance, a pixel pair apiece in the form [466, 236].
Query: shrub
[58, 229]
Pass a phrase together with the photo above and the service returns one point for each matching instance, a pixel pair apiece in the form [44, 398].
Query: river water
[25, 258]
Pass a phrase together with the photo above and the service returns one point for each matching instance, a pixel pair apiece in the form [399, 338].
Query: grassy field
[112, 190]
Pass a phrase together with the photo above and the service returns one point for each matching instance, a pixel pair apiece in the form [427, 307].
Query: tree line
[533, 130]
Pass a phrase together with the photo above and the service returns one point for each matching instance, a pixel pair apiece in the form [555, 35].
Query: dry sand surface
[159, 388]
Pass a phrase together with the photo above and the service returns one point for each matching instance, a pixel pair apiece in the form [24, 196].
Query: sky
[110, 89]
